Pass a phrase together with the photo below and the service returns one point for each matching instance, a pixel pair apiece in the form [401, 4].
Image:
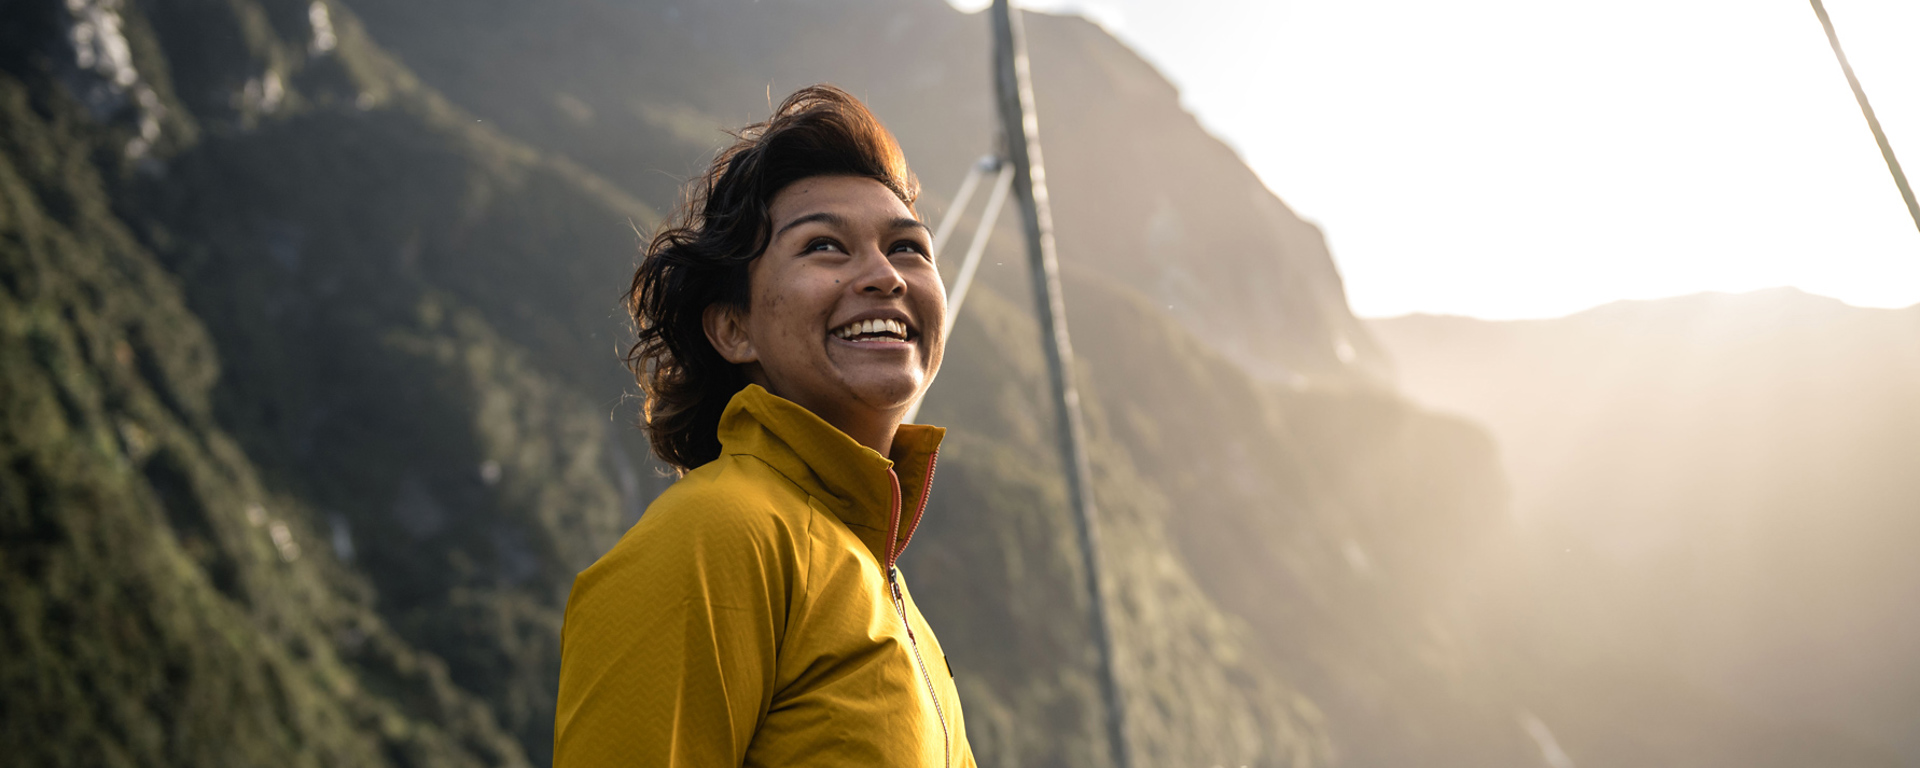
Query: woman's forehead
[836, 199]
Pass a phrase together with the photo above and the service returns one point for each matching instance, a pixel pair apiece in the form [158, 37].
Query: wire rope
[1873, 123]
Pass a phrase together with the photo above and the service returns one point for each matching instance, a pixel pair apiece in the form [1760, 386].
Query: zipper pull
[893, 580]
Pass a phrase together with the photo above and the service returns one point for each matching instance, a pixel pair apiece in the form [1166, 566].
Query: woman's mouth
[867, 331]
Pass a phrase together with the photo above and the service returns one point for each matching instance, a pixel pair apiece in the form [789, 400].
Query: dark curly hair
[700, 256]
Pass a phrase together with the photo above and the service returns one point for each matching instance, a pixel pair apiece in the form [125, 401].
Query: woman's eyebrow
[834, 219]
[904, 222]
[824, 217]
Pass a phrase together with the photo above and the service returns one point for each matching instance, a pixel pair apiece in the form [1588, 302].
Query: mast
[1020, 129]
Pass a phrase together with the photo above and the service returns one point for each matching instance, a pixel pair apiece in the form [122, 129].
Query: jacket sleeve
[669, 643]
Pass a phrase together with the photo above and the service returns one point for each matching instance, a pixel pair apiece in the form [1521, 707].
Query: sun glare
[1504, 159]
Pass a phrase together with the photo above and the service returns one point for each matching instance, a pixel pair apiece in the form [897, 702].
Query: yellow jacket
[754, 615]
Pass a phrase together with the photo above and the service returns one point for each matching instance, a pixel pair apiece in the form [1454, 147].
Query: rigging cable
[996, 200]
[1880, 136]
[960, 200]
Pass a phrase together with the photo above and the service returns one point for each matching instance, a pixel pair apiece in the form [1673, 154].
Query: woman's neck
[873, 432]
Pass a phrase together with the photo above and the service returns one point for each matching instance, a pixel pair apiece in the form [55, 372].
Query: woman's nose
[880, 276]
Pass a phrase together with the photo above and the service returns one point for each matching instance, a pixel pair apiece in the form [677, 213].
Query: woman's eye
[822, 246]
[909, 246]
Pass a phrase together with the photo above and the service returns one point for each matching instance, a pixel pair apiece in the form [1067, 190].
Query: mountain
[641, 95]
[1716, 490]
[312, 404]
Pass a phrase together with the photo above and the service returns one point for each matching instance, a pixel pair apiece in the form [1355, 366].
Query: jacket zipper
[894, 548]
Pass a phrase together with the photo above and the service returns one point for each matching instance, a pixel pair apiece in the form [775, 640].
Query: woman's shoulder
[728, 510]
[729, 501]
[735, 489]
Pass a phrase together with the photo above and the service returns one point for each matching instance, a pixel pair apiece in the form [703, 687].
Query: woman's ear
[726, 328]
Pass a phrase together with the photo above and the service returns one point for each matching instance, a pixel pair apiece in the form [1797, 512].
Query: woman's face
[846, 310]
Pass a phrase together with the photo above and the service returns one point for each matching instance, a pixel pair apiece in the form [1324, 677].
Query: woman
[755, 615]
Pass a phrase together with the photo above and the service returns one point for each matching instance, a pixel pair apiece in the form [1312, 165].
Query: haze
[1509, 159]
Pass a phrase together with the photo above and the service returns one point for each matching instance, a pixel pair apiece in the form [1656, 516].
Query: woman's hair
[700, 256]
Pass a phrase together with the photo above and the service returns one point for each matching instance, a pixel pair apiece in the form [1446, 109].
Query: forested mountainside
[1720, 490]
[312, 404]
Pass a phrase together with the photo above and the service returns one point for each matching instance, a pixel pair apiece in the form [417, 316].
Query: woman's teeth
[873, 330]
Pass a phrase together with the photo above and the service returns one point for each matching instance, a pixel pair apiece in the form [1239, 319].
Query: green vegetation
[164, 607]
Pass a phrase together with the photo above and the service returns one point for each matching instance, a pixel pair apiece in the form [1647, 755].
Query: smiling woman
[838, 302]
[755, 615]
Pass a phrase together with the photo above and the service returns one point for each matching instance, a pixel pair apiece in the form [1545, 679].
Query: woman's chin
[893, 391]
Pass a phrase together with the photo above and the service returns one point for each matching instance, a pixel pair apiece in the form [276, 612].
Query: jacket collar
[853, 481]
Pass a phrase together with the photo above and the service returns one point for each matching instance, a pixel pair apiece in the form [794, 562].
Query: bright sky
[1524, 158]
